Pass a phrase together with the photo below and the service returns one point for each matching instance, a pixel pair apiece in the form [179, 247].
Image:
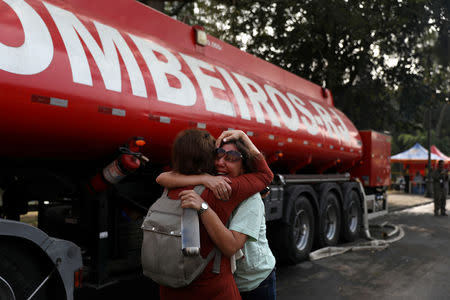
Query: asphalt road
[414, 267]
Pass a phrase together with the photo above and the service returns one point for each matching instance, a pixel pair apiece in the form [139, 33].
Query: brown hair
[193, 152]
[248, 163]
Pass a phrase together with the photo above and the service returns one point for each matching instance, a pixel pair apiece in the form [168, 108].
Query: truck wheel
[329, 220]
[20, 273]
[351, 219]
[297, 236]
[6, 291]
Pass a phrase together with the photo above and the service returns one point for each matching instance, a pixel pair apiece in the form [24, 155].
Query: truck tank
[76, 81]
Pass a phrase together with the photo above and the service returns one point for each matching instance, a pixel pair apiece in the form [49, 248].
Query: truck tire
[351, 214]
[6, 291]
[329, 219]
[295, 238]
[21, 273]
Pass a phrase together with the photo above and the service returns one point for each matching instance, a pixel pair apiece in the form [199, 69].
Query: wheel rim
[353, 217]
[301, 230]
[6, 291]
[330, 222]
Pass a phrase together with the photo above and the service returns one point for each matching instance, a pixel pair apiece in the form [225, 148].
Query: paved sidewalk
[400, 200]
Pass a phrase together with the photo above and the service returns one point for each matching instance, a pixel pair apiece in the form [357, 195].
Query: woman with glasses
[255, 270]
[193, 153]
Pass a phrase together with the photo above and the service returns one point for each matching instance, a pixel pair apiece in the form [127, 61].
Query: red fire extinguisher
[128, 161]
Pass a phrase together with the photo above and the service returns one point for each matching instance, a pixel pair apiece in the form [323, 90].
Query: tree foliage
[386, 62]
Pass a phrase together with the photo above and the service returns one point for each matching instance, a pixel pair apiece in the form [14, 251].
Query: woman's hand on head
[219, 185]
[190, 199]
[230, 135]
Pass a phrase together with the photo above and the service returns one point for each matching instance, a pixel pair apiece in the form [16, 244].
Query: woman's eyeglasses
[231, 155]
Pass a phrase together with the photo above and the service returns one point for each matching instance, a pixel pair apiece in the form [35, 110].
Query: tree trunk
[441, 118]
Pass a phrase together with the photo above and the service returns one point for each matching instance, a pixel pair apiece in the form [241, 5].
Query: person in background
[407, 179]
[255, 271]
[440, 189]
[193, 153]
[399, 183]
[418, 184]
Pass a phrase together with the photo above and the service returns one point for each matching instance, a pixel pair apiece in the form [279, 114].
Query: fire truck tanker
[92, 94]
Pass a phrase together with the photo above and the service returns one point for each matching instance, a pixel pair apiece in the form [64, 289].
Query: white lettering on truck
[171, 83]
[257, 96]
[207, 82]
[291, 122]
[325, 116]
[345, 135]
[243, 108]
[309, 122]
[107, 60]
[184, 94]
[37, 44]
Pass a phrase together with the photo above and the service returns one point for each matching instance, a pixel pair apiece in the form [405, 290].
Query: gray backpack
[162, 258]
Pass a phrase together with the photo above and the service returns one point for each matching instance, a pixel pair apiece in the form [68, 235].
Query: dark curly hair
[193, 152]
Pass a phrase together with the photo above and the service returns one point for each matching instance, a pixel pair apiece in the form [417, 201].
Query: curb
[409, 206]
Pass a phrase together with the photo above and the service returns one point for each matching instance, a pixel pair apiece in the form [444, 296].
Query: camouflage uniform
[440, 189]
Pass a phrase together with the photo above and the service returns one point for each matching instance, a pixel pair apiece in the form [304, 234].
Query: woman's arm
[219, 185]
[228, 241]
[173, 179]
[249, 184]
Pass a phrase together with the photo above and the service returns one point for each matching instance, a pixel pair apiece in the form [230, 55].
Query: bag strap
[218, 257]
[165, 192]
[215, 251]
[217, 260]
[199, 189]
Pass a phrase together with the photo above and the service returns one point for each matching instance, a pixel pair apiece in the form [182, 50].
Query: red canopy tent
[445, 158]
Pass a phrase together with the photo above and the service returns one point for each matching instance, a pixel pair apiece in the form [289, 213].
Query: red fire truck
[90, 89]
